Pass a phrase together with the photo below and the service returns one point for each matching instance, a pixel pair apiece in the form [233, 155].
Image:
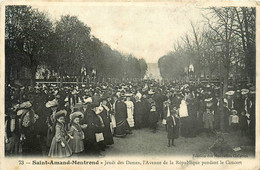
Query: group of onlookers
[82, 120]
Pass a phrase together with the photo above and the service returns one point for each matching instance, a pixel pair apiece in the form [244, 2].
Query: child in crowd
[172, 123]
[59, 145]
[208, 119]
[234, 120]
[76, 142]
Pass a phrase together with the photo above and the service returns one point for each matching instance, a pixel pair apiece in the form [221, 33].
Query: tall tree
[26, 34]
[71, 46]
[245, 29]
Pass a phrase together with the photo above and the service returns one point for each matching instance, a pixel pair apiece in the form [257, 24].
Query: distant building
[153, 71]
[42, 73]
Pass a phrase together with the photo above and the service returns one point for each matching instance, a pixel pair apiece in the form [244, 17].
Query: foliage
[26, 35]
[65, 47]
[233, 28]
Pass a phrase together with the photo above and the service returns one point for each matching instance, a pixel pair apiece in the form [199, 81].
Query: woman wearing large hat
[51, 111]
[208, 116]
[93, 125]
[28, 133]
[105, 115]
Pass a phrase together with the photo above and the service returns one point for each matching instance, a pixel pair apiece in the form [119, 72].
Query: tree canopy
[232, 29]
[65, 46]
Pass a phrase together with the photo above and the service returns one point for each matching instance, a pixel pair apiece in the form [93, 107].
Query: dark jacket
[172, 129]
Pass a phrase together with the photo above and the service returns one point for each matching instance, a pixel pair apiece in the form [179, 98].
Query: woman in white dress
[184, 115]
[130, 110]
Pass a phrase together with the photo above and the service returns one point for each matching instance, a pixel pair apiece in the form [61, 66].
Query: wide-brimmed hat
[25, 105]
[234, 111]
[87, 100]
[128, 95]
[244, 91]
[230, 93]
[60, 114]
[150, 92]
[75, 115]
[21, 112]
[51, 103]
[208, 86]
[208, 100]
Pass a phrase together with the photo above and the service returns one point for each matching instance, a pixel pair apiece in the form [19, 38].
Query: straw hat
[230, 93]
[233, 111]
[21, 112]
[25, 105]
[128, 95]
[244, 91]
[75, 115]
[60, 113]
[87, 100]
[52, 103]
[208, 100]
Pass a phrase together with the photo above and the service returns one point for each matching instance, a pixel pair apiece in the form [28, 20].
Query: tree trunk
[225, 79]
[32, 76]
[77, 80]
[61, 79]
[222, 128]
[223, 90]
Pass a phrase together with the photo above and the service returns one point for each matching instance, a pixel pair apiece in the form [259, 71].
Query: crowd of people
[61, 121]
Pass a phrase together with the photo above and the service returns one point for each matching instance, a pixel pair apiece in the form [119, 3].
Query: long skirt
[121, 127]
[50, 135]
[172, 132]
[76, 144]
[108, 137]
[57, 150]
[138, 121]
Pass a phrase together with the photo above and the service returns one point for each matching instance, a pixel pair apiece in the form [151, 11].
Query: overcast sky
[147, 32]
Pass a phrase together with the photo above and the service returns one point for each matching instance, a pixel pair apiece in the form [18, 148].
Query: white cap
[88, 100]
[208, 100]
[244, 91]
[51, 103]
[230, 93]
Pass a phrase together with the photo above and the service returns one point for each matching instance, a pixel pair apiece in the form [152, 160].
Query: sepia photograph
[95, 80]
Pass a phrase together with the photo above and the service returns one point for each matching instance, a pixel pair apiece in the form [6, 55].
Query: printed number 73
[21, 162]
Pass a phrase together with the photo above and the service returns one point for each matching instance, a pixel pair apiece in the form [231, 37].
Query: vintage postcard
[129, 85]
